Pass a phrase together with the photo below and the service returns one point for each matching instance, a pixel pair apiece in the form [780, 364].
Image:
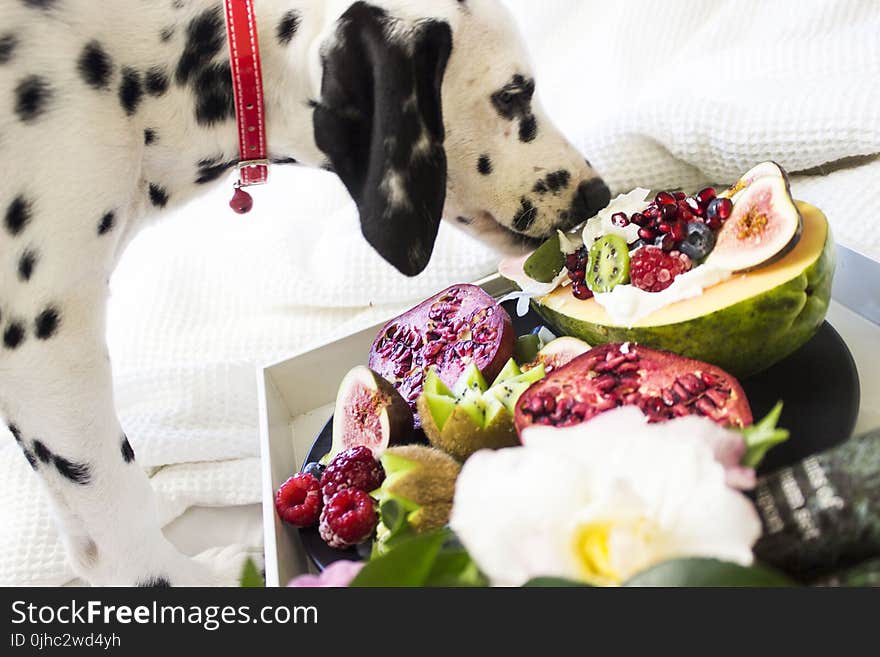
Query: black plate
[819, 385]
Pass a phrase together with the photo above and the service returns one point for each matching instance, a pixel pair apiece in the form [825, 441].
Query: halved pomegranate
[662, 384]
[460, 325]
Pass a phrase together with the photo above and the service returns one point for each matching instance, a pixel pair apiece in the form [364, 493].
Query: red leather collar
[247, 84]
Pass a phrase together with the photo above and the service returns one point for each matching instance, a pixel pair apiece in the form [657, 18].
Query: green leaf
[525, 350]
[455, 568]
[408, 563]
[250, 576]
[761, 436]
[554, 582]
[707, 573]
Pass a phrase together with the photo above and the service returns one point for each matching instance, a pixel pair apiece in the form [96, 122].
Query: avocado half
[743, 325]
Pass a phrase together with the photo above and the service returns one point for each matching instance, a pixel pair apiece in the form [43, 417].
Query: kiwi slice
[609, 263]
[546, 261]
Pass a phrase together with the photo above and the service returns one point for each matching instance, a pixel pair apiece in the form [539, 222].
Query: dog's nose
[591, 196]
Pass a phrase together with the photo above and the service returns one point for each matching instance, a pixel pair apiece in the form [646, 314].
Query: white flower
[600, 501]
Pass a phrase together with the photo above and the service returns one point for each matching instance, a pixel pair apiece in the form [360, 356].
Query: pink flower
[337, 574]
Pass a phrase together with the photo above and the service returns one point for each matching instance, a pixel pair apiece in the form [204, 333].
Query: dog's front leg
[56, 394]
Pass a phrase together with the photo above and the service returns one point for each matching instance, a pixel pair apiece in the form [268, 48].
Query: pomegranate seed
[694, 206]
[577, 274]
[581, 291]
[679, 233]
[639, 219]
[664, 198]
[667, 243]
[714, 223]
[679, 196]
[665, 228]
[708, 379]
[571, 261]
[619, 219]
[647, 234]
[687, 216]
[705, 406]
[724, 206]
[718, 398]
[669, 212]
[705, 196]
[651, 212]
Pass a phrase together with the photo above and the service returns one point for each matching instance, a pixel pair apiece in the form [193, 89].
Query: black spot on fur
[467, 221]
[15, 431]
[106, 223]
[18, 214]
[154, 583]
[166, 34]
[514, 101]
[78, 473]
[178, 4]
[215, 101]
[127, 451]
[158, 195]
[39, 4]
[525, 216]
[13, 336]
[42, 451]
[284, 160]
[540, 187]
[484, 165]
[212, 168]
[131, 91]
[205, 36]
[558, 180]
[7, 46]
[46, 323]
[528, 129]
[287, 27]
[31, 95]
[156, 81]
[32, 461]
[26, 265]
[150, 136]
[95, 66]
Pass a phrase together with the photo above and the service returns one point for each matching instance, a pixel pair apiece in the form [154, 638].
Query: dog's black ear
[380, 123]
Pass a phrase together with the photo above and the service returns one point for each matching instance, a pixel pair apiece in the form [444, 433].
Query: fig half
[764, 224]
[370, 412]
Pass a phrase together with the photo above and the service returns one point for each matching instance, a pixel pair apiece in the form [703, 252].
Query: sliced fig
[370, 412]
[459, 326]
[557, 353]
[764, 224]
[661, 384]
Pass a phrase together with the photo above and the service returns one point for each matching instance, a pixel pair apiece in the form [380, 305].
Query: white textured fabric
[657, 94]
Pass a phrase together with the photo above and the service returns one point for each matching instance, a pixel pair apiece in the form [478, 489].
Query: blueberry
[314, 469]
[699, 242]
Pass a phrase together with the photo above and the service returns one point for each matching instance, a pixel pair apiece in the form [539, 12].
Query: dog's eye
[505, 97]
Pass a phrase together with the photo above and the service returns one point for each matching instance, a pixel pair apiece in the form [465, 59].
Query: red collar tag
[247, 84]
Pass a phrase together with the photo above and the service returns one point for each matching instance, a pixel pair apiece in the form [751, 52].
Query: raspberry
[348, 518]
[298, 500]
[353, 468]
[651, 269]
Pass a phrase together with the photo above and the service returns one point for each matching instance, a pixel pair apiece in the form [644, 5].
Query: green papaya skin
[744, 338]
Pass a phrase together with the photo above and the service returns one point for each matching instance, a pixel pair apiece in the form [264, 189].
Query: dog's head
[424, 118]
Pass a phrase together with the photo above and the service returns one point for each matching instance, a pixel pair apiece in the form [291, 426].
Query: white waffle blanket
[657, 94]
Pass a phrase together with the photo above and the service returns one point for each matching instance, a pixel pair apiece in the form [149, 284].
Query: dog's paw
[224, 566]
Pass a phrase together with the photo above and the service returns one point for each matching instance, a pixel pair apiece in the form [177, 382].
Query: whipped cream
[627, 304]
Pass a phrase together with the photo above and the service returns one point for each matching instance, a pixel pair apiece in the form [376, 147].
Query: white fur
[85, 157]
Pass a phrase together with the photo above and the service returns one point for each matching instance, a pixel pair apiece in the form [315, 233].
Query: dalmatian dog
[115, 112]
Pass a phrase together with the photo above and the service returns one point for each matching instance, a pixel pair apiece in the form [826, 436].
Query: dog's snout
[591, 196]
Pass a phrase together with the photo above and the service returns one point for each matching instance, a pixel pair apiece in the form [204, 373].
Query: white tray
[296, 399]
